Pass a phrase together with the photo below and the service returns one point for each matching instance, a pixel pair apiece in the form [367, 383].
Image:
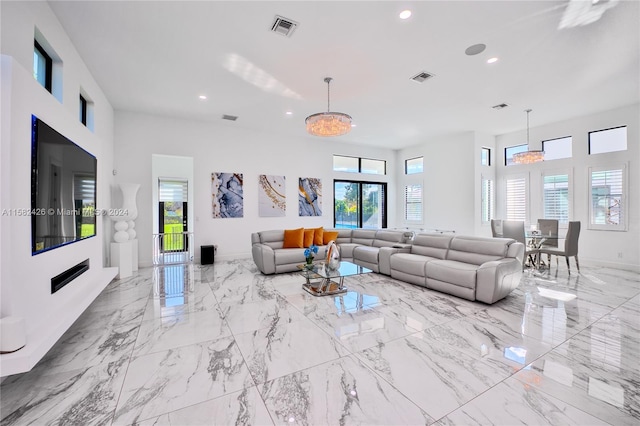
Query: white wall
[231, 148]
[25, 287]
[612, 248]
[448, 181]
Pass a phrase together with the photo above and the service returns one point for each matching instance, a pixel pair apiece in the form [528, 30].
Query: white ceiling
[157, 57]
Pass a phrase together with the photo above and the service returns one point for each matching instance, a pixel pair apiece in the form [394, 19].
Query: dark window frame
[483, 149]
[48, 73]
[83, 110]
[385, 201]
[604, 130]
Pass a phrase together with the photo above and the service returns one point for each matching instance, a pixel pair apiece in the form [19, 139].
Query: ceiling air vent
[422, 77]
[283, 26]
[500, 106]
[230, 117]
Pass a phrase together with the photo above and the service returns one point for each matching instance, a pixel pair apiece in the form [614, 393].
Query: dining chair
[496, 228]
[548, 227]
[570, 246]
[515, 229]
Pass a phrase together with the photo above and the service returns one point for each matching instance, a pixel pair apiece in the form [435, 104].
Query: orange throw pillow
[293, 238]
[317, 236]
[308, 237]
[328, 236]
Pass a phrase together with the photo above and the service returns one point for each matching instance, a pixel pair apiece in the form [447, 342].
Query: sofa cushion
[432, 245]
[318, 234]
[293, 238]
[363, 236]
[477, 250]
[388, 238]
[308, 237]
[450, 271]
[413, 264]
[272, 238]
[288, 256]
[329, 236]
[366, 254]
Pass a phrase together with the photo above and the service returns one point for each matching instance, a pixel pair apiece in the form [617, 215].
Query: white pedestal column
[122, 257]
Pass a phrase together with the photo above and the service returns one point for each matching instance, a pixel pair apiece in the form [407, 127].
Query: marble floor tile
[82, 348]
[80, 397]
[515, 403]
[167, 381]
[612, 396]
[361, 329]
[244, 407]
[254, 316]
[165, 333]
[243, 289]
[435, 376]
[286, 348]
[339, 392]
[485, 341]
[200, 299]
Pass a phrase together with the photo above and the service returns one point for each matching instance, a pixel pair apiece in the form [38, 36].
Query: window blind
[172, 190]
[607, 197]
[413, 203]
[556, 197]
[517, 199]
[488, 202]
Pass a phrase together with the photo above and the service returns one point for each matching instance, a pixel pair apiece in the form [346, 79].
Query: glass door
[359, 204]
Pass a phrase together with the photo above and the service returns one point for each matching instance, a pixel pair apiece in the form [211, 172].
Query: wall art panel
[309, 197]
[272, 200]
[227, 198]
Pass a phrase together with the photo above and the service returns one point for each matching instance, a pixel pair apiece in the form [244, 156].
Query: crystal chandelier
[328, 123]
[529, 156]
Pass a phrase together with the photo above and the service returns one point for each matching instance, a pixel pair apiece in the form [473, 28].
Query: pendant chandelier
[529, 156]
[328, 123]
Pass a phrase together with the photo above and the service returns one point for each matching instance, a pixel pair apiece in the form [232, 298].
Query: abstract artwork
[226, 195]
[272, 200]
[309, 197]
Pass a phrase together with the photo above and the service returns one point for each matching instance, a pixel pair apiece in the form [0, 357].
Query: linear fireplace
[69, 275]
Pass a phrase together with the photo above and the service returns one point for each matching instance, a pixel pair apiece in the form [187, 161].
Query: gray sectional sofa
[473, 268]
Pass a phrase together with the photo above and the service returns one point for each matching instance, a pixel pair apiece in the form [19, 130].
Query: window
[516, 198]
[607, 205]
[485, 156]
[555, 197]
[510, 150]
[414, 165]
[487, 200]
[555, 149]
[173, 207]
[83, 110]
[42, 66]
[608, 140]
[413, 203]
[343, 163]
[359, 204]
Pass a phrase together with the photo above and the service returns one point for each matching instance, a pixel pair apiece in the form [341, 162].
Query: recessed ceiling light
[405, 14]
[288, 112]
[354, 125]
[203, 97]
[492, 60]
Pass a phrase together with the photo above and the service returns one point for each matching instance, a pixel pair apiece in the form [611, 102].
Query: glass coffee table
[323, 281]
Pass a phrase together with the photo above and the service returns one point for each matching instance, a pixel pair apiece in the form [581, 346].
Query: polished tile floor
[223, 344]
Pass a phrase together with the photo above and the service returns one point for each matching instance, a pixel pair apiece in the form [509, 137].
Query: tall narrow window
[485, 156]
[555, 193]
[516, 198]
[487, 200]
[414, 165]
[83, 110]
[42, 66]
[607, 206]
[172, 196]
[360, 204]
[413, 203]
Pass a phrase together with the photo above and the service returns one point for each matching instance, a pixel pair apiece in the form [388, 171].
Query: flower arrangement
[309, 253]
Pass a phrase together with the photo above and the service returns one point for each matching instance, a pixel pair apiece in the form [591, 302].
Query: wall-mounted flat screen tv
[63, 190]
